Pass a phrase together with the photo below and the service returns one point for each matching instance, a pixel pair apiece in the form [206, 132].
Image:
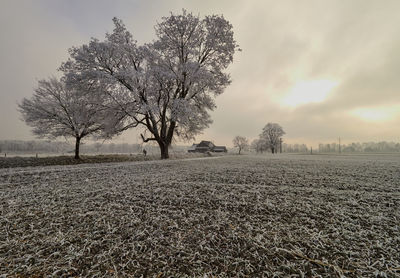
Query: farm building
[206, 146]
[192, 148]
[220, 149]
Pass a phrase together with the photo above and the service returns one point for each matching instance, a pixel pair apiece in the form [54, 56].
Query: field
[232, 216]
[30, 160]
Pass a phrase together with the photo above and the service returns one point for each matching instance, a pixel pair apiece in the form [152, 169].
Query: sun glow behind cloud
[304, 92]
[376, 114]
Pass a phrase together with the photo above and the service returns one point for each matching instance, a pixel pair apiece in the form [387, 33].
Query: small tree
[57, 111]
[240, 142]
[272, 133]
[259, 145]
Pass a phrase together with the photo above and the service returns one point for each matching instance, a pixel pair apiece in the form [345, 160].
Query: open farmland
[232, 216]
[27, 160]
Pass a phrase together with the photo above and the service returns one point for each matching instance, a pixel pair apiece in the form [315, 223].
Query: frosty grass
[233, 216]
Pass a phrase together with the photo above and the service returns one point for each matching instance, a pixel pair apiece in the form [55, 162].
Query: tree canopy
[57, 111]
[167, 86]
[272, 134]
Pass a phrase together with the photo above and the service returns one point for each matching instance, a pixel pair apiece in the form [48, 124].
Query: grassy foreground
[237, 216]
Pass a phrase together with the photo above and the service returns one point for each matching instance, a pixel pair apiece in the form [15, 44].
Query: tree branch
[145, 140]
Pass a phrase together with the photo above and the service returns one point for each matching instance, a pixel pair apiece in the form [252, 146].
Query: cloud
[33, 45]
[354, 43]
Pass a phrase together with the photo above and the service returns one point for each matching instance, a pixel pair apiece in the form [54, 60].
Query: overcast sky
[321, 69]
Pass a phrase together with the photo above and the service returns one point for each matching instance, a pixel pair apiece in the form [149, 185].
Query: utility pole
[280, 145]
[340, 150]
[311, 150]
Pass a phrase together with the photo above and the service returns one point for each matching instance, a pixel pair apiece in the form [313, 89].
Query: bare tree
[241, 143]
[56, 111]
[259, 145]
[272, 133]
[168, 86]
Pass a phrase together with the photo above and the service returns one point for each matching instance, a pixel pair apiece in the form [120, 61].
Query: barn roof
[208, 144]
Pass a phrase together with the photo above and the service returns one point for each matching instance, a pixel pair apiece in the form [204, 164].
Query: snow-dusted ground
[227, 216]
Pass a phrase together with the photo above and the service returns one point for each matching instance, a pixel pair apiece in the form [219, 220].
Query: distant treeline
[294, 148]
[46, 146]
[63, 147]
[368, 147]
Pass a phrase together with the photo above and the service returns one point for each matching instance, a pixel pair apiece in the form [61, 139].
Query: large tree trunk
[77, 144]
[163, 150]
[166, 139]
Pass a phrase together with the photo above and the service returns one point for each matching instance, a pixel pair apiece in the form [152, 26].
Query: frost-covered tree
[167, 86]
[259, 145]
[241, 143]
[57, 111]
[272, 133]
